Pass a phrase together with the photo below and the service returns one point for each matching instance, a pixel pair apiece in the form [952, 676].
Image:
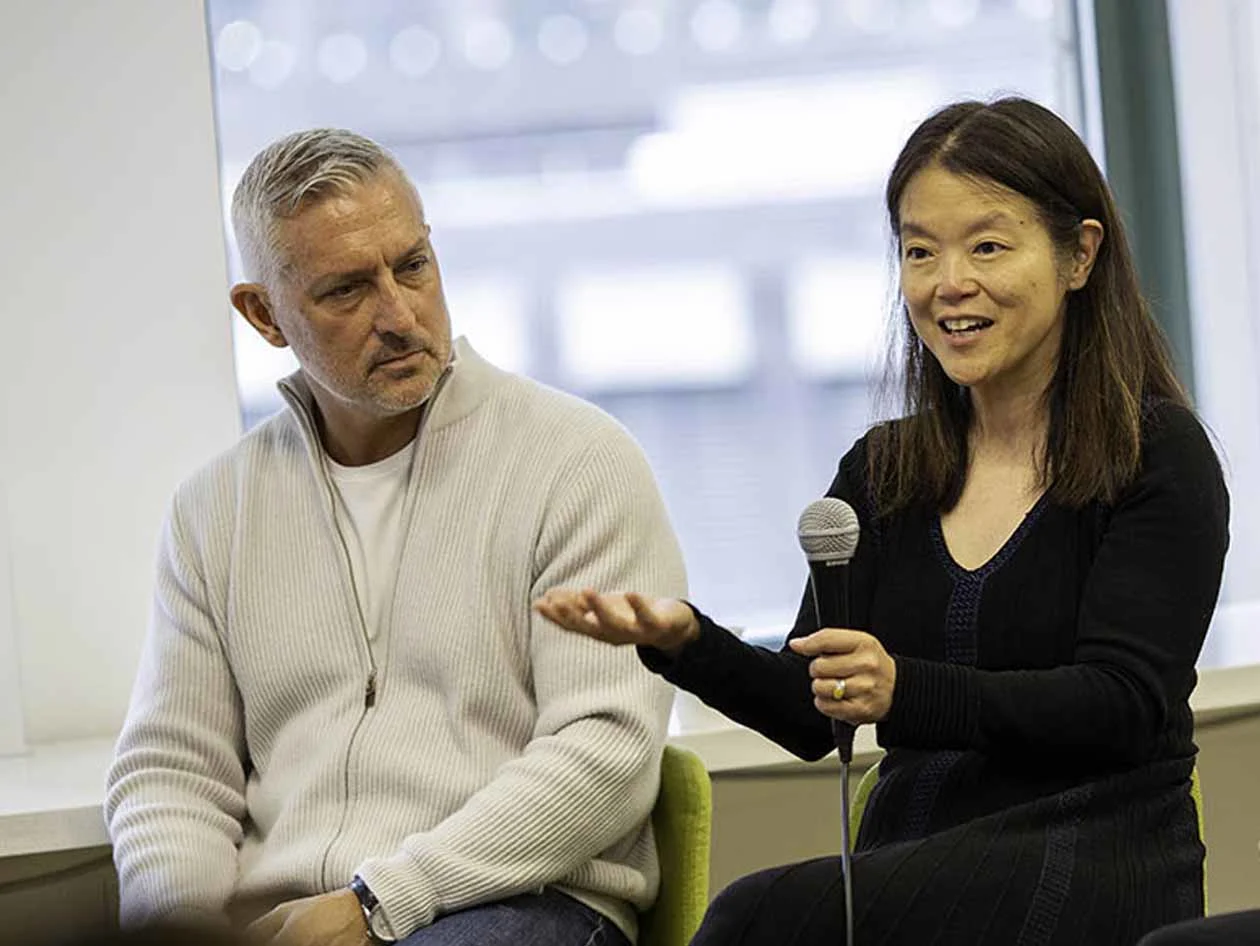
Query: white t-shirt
[370, 517]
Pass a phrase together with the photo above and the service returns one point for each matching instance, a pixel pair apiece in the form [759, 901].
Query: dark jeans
[1228, 929]
[549, 918]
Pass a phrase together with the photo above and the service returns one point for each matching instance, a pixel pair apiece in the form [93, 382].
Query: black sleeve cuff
[935, 706]
[693, 658]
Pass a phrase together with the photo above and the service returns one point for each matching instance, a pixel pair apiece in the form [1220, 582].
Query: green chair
[857, 804]
[871, 776]
[1196, 792]
[682, 821]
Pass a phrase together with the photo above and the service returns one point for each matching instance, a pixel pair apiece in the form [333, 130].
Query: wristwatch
[373, 916]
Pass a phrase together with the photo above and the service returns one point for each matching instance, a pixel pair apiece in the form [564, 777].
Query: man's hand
[330, 919]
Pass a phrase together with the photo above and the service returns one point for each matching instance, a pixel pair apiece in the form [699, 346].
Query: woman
[1042, 540]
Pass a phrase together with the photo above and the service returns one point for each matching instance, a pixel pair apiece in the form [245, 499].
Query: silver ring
[838, 688]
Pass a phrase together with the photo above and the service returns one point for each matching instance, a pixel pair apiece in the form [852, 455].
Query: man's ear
[250, 299]
[1085, 254]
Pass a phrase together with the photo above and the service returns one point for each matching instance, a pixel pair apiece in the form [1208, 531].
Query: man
[345, 705]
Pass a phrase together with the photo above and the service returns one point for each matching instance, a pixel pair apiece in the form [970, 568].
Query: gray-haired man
[347, 715]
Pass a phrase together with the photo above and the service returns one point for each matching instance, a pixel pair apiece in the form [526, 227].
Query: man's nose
[394, 314]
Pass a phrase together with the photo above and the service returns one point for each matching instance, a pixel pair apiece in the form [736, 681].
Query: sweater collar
[459, 390]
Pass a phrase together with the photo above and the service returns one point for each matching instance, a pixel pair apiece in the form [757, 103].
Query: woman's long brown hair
[1113, 360]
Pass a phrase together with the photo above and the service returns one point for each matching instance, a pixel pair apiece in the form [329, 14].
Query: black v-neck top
[1068, 657]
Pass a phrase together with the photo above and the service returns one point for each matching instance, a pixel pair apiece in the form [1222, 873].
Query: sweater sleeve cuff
[404, 904]
[935, 706]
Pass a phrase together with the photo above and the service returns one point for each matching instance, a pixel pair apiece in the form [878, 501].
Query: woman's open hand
[622, 617]
[853, 676]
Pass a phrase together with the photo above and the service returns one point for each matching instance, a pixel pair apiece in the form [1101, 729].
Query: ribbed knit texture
[501, 753]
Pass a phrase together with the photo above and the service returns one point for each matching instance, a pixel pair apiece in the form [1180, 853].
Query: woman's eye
[916, 253]
[988, 248]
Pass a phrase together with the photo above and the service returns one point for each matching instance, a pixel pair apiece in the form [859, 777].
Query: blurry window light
[716, 25]
[414, 51]
[273, 64]
[238, 45]
[341, 57]
[556, 194]
[1040, 10]
[561, 166]
[638, 31]
[449, 163]
[259, 365]
[804, 148]
[792, 21]
[491, 311]
[655, 327]
[837, 310]
[562, 39]
[230, 173]
[782, 139]
[487, 43]
[954, 14]
[872, 16]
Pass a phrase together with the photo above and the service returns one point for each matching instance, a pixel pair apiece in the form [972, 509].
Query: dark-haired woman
[1043, 533]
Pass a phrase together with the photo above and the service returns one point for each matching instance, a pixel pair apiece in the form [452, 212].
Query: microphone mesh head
[828, 531]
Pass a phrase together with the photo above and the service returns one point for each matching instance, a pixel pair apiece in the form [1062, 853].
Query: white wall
[12, 737]
[115, 351]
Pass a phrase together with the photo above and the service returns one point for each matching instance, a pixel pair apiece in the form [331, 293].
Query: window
[672, 209]
[1218, 94]
[654, 329]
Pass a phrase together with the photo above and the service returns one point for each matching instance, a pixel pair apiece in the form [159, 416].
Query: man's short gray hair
[290, 173]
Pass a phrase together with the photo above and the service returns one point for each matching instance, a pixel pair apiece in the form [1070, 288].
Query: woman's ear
[1085, 254]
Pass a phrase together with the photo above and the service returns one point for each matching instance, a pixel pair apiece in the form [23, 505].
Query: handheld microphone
[828, 532]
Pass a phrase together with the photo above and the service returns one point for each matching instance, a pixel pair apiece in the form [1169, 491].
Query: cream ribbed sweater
[473, 750]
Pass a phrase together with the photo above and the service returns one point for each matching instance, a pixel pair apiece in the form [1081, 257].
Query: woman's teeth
[961, 326]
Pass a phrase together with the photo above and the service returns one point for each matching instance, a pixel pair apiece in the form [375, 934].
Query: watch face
[379, 928]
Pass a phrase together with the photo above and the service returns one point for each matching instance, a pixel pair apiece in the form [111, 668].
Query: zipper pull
[369, 695]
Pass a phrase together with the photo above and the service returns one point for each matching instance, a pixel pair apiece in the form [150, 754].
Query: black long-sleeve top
[1069, 655]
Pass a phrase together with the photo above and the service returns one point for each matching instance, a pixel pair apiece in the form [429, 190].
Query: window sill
[51, 797]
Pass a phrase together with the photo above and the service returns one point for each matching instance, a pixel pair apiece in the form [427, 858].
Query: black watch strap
[367, 899]
[369, 904]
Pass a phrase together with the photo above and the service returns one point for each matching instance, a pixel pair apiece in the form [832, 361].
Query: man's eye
[988, 248]
[916, 253]
[415, 265]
